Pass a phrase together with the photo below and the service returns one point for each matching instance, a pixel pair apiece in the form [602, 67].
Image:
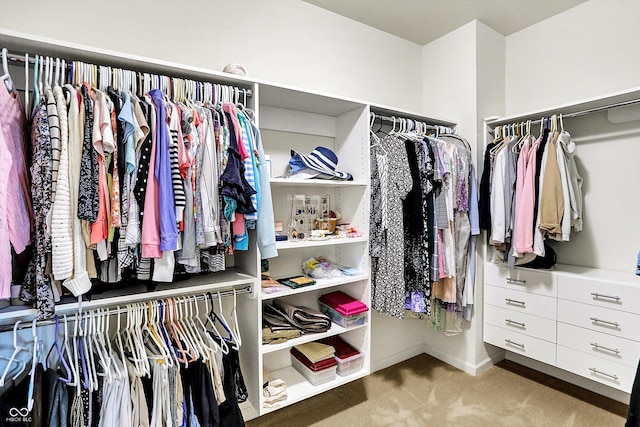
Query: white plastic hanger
[13, 359]
[6, 77]
[211, 319]
[118, 339]
[73, 362]
[234, 325]
[34, 362]
[26, 85]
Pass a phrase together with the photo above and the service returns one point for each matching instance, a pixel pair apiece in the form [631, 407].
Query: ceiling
[422, 21]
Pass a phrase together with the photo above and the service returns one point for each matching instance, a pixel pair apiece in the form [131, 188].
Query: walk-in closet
[314, 213]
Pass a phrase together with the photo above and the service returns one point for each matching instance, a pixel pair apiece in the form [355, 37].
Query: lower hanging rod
[122, 310]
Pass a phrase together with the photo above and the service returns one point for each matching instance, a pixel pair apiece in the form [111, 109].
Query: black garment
[234, 183]
[633, 417]
[13, 404]
[234, 390]
[56, 400]
[88, 203]
[484, 203]
[140, 189]
[198, 389]
[412, 205]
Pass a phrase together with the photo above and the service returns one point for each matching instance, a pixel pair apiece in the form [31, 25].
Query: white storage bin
[315, 378]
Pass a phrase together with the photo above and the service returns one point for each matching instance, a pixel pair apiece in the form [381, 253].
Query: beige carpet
[424, 391]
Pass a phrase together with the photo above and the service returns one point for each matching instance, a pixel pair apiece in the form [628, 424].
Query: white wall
[285, 41]
[586, 51]
[463, 77]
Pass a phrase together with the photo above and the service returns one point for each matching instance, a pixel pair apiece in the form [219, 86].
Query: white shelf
[288, 244]
[334, 330]
[316, 182]
[320, 284]
[298, 388]
[135, 293]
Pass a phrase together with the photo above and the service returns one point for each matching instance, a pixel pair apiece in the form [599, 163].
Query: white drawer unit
[525, 302]
[523, 323]
[615, 349]
[613, 322]
[583, 320]
[600, 292]
[596, 368]
[517, 342]
[538, 282]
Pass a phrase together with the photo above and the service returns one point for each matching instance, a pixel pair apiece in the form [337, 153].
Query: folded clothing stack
[282, 321]
[315, 352]
[273, 390]
[317, 364]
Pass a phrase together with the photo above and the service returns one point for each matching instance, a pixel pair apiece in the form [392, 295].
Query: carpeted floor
[424, 391]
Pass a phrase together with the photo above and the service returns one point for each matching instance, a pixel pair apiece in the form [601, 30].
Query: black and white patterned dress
[37, 285]
[388, 282]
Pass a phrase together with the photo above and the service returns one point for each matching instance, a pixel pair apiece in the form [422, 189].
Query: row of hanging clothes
[171, 362]
[423, 223]
[530, 191]
[118, 176]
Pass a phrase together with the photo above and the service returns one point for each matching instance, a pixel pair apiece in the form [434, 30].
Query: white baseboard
[377, 365]
[463, 365]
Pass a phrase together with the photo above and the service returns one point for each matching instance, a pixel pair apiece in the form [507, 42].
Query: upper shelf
[586, 104]
[316, 182]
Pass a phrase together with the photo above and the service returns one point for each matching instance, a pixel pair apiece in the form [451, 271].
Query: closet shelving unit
[294, 119]
[289, 118]
[575, 319]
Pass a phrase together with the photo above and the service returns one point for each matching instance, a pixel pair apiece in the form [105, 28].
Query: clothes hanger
[187, 324]
[104, 358]
[201, 329]
[61, 358]
[162, 312]
[34, 362]
[222, 346]
[66, 348]
[27, 107]
[6, 77]
[192, 347]
[179, 352]
[16, 350]
[119, 343]
[211, 319]
[234, 325]
[91, 353]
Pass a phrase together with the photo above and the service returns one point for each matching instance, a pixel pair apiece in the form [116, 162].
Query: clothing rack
[579, 113]
[48, 322]
[248, 93]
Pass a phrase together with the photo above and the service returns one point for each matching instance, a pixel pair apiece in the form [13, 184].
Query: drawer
[525, 302]
[613, 322]
[537, 282]
[523, 323]
[615, 349]
[599, 292]
[595, 368]
[525, 345]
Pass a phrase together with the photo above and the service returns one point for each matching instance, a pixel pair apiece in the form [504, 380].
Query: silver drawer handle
[595, 371]
[597, 296]
[517, 281]
[514, 301]
[513, 322]
[598, 346]
[508, 341]
[606, 322]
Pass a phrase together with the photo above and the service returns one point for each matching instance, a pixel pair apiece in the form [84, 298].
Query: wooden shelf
[320, 284]
[334, 330]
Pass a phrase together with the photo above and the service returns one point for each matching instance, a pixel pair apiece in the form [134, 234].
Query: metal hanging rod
[21, 58]
[117, 311]
[398, 119]
[576, 113]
